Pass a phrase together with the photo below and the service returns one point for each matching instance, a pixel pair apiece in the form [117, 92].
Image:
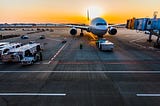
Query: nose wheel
[81, 34]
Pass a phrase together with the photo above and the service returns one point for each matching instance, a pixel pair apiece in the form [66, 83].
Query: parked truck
[26, 54]
[105, 45]
[6, 47]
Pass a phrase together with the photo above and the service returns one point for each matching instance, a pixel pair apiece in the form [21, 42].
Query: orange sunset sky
[74, 11]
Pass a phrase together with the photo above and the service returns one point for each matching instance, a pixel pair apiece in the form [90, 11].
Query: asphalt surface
[70, 76]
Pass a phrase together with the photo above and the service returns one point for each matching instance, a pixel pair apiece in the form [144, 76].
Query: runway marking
[145, 47]
[54, 39]
[112, 62]
[111, 72]
[140, 45]
[32, 94]
[149, 95]
[57, 54]
[49, 62]
[137, 39]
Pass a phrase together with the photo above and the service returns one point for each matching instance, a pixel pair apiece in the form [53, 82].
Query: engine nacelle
[73, 31]
[112, 31]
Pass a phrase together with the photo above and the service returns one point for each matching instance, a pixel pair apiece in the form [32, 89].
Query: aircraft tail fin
[88, 18]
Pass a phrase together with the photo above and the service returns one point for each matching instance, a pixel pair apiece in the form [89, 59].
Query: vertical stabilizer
[88, 18]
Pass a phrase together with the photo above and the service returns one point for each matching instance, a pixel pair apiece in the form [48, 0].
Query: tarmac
[70, 76]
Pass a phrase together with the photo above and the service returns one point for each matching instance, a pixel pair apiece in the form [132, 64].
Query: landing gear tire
[149, 40]
[81, 34]
[32, 62]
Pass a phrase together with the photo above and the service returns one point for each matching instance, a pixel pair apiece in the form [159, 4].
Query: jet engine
[73, 31]
[112, 31]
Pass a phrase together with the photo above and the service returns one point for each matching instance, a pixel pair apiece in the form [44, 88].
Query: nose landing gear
[81, 34]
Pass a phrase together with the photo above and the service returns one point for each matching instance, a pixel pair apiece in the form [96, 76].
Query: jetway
[143, 24]
[152, 25]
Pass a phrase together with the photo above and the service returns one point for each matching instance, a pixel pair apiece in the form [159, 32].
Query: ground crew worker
[41, 58]
[81, 46]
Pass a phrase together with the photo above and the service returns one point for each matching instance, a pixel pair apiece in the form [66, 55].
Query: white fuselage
[98, 26]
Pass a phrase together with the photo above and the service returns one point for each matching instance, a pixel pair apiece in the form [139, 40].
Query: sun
[94, 12]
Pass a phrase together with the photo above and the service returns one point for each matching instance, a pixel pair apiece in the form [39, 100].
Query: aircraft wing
[116, 25]
[83, 27]
[86, 27]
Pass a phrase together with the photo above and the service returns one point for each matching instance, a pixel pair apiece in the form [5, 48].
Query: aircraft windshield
[100, 24]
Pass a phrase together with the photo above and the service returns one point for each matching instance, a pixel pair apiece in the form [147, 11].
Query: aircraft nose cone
[100, 31]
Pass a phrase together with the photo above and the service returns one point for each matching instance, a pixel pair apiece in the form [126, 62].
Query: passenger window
[38, 48]
[5, 51]
[17, 46]
[27, 53]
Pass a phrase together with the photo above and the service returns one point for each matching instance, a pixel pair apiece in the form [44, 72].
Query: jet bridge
[152, 25]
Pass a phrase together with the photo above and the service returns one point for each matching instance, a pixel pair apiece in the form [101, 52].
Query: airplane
[98, 27]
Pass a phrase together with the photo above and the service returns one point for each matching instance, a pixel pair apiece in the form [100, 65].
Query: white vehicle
[24, 37]
[26, 54]
[7, 47]
[2, 44]
[105, 45]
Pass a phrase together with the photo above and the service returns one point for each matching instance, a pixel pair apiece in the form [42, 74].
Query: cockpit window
[100, 24]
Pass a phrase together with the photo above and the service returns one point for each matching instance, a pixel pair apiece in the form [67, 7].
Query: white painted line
[111, 72]
[49, 62]
[149, 95]
[32, 94]
[37, 63]
[54, 39]
[133, 41]
[46, 62]
[139, 45]
[137, 39]
[57, 53]
[145, 47]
